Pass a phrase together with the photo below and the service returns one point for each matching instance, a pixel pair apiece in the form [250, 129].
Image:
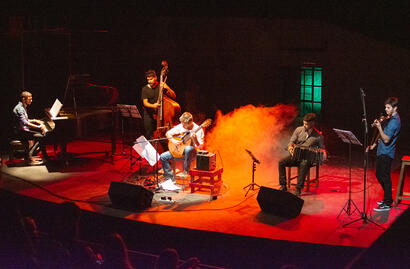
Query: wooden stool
[206, 179]
[400, 194]
[15, 147]
[308, 179]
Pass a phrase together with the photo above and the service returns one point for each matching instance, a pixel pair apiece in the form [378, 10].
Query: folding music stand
[128, 112]
[349, 138]
[144, 148]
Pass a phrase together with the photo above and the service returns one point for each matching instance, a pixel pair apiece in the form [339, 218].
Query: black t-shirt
[151, 95]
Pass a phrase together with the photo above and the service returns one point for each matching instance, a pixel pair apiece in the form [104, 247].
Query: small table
[206, 179]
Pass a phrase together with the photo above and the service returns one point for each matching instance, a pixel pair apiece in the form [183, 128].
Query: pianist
[27, 130]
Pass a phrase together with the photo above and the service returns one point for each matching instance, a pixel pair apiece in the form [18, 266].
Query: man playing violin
[303, 136]
[26, 129]
[386, 147]
[186, 127]
[149, 97]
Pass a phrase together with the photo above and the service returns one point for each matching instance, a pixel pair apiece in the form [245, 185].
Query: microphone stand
[252, 185]
[363, 215]
[156, 160]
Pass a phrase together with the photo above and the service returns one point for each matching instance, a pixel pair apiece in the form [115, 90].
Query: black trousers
[150, 125]
[303, 165]
[38, 138]
[383, 171]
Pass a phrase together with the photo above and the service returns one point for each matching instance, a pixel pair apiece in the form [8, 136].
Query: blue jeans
[189, 155]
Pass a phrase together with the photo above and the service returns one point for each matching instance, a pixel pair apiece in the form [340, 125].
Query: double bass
[168, 110]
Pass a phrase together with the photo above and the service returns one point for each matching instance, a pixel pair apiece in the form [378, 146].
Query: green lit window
[310, 90]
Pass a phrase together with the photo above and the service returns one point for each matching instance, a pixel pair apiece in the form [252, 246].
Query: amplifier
[205, 161]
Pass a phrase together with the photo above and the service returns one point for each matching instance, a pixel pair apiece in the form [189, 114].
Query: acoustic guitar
[177, 150]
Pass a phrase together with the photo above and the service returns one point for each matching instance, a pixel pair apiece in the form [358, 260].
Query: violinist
[187, 125]
[149, 97]
[386, 145]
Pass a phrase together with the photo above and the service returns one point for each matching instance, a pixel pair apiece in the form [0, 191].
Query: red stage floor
[88, 178]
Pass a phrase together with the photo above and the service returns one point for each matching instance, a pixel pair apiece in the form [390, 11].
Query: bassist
[186, 127]
[149, 97]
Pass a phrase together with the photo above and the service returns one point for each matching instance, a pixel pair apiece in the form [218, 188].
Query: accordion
[312, 155]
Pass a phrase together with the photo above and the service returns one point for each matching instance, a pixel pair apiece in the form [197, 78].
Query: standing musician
[305, 136]
[187, 125]
[27, 129]
[149, 97]
[386, 148]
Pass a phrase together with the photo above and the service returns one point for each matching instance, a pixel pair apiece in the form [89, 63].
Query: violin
[382, 120]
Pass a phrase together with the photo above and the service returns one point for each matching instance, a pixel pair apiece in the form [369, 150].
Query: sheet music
[146, 150]
[55, 109]
[129, 111]
[347, 136]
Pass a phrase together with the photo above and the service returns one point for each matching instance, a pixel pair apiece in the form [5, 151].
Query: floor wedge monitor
[279, 203]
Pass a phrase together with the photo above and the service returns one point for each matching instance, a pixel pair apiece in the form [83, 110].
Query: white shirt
[179, 130]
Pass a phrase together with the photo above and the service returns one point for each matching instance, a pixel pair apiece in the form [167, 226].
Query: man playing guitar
[186, 129]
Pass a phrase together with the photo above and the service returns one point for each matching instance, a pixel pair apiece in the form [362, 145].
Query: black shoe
[383, 207]
[283, 188]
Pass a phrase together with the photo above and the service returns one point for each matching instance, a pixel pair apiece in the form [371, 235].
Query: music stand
[349, 138]
[252, 185]
[144, 148]
[127, 112]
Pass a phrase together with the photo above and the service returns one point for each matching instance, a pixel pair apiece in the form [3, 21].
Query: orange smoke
[262, 130]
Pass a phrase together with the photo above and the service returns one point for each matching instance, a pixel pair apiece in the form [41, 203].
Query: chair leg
[399, 192]
[289, 174]
[308, 180]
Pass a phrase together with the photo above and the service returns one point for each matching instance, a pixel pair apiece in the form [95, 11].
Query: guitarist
[149, 97]
[186, 127]
[304, 136]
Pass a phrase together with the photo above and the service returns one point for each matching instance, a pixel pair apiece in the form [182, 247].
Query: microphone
[362, 92]
[253, 157]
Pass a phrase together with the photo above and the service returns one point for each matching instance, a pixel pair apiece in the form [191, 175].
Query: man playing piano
[27, 129]
[304, 136]
[149, 97]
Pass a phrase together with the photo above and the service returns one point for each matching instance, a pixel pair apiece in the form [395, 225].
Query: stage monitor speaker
[279, 203]
[129, 197]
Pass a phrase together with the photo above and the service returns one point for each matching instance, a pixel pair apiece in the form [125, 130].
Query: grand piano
[88, 112]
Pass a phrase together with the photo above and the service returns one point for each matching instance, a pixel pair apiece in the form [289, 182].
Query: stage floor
[87, 179]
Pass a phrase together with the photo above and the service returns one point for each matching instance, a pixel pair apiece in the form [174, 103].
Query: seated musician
[304, 136]
[27, 130]
[149, 97]
[189, 153]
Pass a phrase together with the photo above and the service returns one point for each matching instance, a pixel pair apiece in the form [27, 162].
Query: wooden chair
[400, 195]
[308, 180]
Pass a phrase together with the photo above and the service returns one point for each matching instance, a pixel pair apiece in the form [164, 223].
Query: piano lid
[85, 93]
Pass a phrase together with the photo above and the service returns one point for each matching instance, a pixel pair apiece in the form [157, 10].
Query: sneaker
[380, 202]
[283, 188]
[184, 175]
[297, 192]
[383, 207]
